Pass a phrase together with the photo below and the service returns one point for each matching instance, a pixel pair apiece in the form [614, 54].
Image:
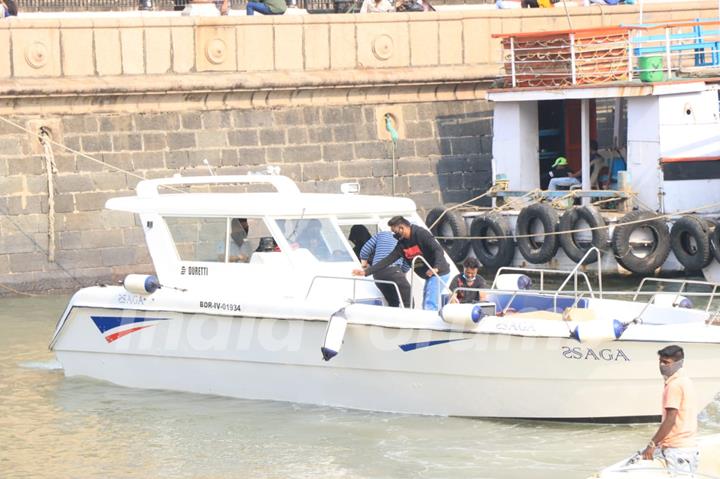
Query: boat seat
[523, 303]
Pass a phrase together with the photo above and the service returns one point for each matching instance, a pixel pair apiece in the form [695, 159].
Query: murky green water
[53, 427]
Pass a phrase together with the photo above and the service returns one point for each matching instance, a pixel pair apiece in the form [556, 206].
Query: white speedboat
[637, 468]
[290, 323]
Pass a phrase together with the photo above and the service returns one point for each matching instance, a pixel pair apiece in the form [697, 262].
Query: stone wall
[443, 156]
[152, 96]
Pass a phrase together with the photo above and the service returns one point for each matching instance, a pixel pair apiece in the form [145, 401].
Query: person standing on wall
[414, 241]
[674, 442]
[266, 7]
[375, 250]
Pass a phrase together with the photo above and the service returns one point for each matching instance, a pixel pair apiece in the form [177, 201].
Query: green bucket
[651, 69]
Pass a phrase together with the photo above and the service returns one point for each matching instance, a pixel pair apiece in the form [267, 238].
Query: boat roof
[615, 90]
[286, 204]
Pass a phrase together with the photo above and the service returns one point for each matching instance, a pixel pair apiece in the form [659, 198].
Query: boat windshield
[318, 235]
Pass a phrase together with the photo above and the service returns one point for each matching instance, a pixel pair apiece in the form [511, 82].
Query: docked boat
[280, 317]
[635, 467]
[650, 198]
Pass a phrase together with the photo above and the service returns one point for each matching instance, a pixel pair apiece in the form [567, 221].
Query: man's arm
[428, 243]
[664, 429]
[368, 248]
[386, 261]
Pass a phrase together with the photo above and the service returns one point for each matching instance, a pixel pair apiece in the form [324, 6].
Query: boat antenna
[207, 163]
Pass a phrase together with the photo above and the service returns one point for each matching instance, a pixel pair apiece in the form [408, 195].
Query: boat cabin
[665, 118]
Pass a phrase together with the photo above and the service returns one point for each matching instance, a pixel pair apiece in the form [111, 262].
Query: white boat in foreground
[256, 329]
[637, 468]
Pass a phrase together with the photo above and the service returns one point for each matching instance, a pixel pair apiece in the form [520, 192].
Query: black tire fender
[486, 226]
[621, 242]
[693, 257]
[568, 242]
[548, 218]
[715, 239]
[450, 222]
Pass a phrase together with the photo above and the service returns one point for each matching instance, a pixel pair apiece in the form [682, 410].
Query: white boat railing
[355, 280]
[681, 292]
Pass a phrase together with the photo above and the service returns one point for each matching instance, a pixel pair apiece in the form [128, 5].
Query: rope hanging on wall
[44, 137]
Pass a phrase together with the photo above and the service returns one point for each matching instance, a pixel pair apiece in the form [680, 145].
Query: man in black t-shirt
[469, 278]
[415, 241]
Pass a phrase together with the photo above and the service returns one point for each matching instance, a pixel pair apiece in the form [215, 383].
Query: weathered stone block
[148, 161]
[343, 48]
[337, 152]
[197, 158]
[320, 135]
[131, 42]
[95, 143]
[356, 169]
[255, 47]
[64, 203]
[26, 262]
[77, 51]
[116, 123]
[10, 146]
[427, 147]
[274, 154]
[216, 119]
[118, 219]
[413, 166]
[288, 46]
[110, 181]
[275, 136]
[158, 50]
[109, 62]
[382, 168]
[117, 256]
[424, 43]
[92, 239]
[243, 137]
[191, 120]
[162, 122]
[78, 221]
[302, 154]
[79, 259]
[419, 129]
[36, 52]
[26, 165]
[211, 139]
[249, 156]
[154, 142]
[371, 150]
[252, 118]
[92, 201]
[79, 124]
[176, 160]
[4, 259]
[451, 42]
[183, 49]
[73, 183]
[316, 47]
[127, 142]
[319, 171]
[290, 117]
[297, 136]
[465, 146]
[11, 243]
[177, 141]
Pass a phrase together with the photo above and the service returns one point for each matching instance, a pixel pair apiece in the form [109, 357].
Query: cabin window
[319, 236]
[232, 240]
[198, 239]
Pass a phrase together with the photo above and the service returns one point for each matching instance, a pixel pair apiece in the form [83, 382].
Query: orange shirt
[679, 394]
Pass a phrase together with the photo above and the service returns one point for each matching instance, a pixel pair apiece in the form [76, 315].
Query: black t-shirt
[421, 243]
[561, 171]
[463, 296]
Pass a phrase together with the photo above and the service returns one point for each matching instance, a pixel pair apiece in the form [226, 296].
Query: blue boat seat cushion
[523, 303]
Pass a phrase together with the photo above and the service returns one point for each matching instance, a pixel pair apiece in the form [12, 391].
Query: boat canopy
[263, 204]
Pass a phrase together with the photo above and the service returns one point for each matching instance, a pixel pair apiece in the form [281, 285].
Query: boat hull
[401, 370]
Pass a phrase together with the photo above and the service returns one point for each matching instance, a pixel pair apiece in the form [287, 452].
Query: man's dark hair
[471, 263]
[673, 352]
[398, 221]
[593, 144]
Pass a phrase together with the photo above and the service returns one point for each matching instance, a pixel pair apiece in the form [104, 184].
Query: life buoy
[690, 242]
[531, 249]
[659, 247]
[574, 249]
[492, 252]
[450, 225]
[715, 240]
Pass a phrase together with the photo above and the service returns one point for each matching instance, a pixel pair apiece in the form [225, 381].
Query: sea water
[57, 427]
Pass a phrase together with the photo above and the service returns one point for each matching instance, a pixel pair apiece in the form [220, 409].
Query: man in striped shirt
[376, 249]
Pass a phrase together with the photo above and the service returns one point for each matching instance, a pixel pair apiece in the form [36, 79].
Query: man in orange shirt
[674, 441]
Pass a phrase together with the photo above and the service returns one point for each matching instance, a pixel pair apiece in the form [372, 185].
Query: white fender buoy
[598, 330]
[141, 283]
[672, 300]
[334, 335]
[513, 282]
[463, 314]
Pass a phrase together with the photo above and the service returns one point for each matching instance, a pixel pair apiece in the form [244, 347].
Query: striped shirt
[379, 246]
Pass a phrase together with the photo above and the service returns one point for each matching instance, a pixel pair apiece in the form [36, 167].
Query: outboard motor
[141, 283]
[513, 282]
